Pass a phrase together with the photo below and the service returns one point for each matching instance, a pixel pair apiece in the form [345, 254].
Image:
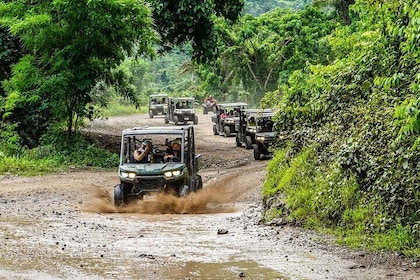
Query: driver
[173, 153]
[145, 153]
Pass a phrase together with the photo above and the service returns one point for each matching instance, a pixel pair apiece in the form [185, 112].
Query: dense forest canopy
[343, 75]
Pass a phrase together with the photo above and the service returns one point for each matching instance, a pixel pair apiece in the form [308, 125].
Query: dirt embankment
[64, 226]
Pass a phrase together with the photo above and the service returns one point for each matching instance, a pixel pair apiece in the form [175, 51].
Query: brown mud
[65, 226]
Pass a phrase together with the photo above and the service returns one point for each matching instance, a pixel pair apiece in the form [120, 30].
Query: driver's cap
[177, 141]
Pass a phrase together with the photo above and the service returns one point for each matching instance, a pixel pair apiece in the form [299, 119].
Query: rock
[222, 231]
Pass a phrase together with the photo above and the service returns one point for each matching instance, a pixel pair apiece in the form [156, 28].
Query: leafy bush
[361, 174]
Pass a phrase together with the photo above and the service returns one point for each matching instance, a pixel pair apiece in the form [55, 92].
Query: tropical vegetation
[344, 76]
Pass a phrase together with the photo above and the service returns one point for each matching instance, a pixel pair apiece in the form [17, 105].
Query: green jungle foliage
[353, 160]
[62, 59]
[259, 7]
[258, 53]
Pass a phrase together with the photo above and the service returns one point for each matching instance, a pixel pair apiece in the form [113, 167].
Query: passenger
[145, 153]
[173, 153]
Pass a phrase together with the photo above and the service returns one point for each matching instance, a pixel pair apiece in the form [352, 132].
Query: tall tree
[71, 45]
[180, 21]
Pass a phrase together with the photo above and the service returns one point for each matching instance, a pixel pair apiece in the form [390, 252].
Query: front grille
[148, 184]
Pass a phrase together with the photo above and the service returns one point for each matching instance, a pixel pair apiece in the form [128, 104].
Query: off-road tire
[257, 153]
[195, 119]
[215, 132]
[166, 120]
[151, 114]
[238, 143]
[248, 142]
[205, 111]
[119, 196]
[176, 120]
[226, 130]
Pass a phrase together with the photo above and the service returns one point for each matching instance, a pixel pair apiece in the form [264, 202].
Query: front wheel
[215, 132]
[195, 119]
[205, 111]
[238, 142]
[166, 120]
[248, 142]
[151, 114]
[119, 196]
[257, 153]
[176, 120]
[227, 131]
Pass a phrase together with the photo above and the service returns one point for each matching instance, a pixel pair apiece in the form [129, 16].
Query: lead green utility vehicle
[178, 176]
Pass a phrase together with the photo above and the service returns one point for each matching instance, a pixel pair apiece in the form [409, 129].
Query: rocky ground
[64, 226]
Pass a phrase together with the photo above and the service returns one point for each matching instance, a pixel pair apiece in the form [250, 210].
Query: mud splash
[217, 197]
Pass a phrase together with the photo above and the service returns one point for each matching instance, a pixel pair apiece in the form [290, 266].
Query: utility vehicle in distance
[247, 125]
[181, 110]
[225, 117]
[158, 104]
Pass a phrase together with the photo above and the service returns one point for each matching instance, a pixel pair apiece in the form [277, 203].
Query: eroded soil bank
[64, 226]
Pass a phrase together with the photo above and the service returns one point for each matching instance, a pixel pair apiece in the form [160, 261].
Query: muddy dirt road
[64, 226]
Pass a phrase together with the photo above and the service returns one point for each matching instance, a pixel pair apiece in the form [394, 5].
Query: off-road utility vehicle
[209, 105]
[247, 125]
[158, 104]
[178, 176]
[266, 138]
[225, 117]
[181, 110]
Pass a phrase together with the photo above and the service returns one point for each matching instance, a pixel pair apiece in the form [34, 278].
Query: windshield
[154, 146]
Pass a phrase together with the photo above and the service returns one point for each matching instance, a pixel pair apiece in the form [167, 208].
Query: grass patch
[47, 159]
[121, 107]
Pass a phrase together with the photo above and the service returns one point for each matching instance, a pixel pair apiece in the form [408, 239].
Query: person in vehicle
[210, 100]
[173, 153]
[145, 153]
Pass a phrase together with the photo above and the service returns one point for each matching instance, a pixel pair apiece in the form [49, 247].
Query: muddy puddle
[228, 270]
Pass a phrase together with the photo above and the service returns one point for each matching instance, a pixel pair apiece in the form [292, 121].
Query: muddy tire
[195, 119]
[248, 142]
[176, 121]
[238, 143]
[205, 112]
[215, 132]
[119, 196]
[226, 130]
[151, 114]
[257, 153]
[166, 120]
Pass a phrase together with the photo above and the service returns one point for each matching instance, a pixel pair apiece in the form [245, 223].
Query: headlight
[260, 138]
[130, 175]
[170, 174]
[252, 130]
[178, 111]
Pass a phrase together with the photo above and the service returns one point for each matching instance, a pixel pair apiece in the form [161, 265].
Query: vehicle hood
[267, 134]
[152, 168]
